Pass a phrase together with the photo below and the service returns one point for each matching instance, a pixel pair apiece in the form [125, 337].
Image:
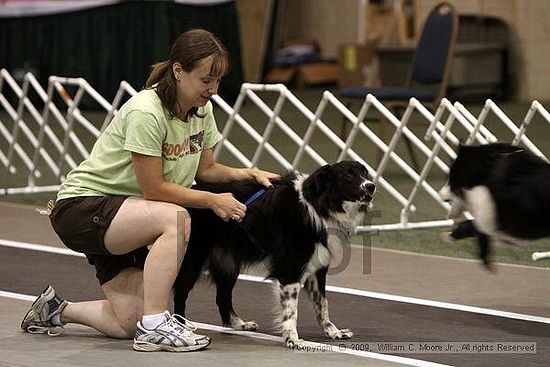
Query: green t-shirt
[144, 126]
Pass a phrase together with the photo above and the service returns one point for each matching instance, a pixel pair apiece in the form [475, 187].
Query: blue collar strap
[245, 227]
[254, 197]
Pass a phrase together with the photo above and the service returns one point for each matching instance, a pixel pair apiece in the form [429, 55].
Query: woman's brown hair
[189, 49]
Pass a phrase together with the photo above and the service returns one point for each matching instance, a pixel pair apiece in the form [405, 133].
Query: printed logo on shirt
[191, 145]
[196, 142]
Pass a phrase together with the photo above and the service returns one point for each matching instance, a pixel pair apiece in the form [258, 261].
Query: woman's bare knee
[139, 222]
[177, 226]
[171, 219]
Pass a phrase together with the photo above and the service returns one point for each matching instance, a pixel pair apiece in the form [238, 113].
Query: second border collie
[506, 189]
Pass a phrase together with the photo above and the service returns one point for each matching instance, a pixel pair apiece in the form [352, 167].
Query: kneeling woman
[132, 192]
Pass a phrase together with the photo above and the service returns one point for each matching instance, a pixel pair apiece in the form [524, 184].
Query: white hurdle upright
[52, 127]
[41, 138]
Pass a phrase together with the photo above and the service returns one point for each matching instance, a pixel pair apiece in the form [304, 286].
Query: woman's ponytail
[159, 71]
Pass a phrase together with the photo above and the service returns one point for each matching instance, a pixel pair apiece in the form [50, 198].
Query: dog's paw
[335, 333]
[248, 326]
[295, 343]
[239, 324]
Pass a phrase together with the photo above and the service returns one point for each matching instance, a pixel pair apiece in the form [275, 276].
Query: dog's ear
[320, 179]
[315, 185]
[315, 188]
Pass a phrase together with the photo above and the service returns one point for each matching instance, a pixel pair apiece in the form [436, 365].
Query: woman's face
[196, 87]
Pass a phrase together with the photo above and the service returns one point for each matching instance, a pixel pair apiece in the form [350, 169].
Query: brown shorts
[81, 223]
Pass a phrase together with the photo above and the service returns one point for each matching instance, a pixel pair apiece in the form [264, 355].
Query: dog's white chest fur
[338, 228]
[482, 207]
[321, 258]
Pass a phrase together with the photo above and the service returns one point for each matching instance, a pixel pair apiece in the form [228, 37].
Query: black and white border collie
[506, 189]
[290, 228]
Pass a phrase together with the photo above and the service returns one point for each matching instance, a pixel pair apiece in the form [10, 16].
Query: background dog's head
[472, 167]
[339, 188]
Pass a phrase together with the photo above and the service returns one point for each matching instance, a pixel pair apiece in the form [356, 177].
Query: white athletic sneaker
[175, 334]
[38, 320]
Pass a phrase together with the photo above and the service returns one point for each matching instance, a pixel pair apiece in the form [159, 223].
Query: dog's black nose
[370, 188]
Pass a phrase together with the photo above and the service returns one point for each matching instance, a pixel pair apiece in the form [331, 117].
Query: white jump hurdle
[41, 141]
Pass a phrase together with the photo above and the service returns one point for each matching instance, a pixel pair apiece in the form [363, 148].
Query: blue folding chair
[429, 73]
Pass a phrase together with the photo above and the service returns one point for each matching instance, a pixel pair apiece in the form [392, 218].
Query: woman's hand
[227, 207]
[263, 177]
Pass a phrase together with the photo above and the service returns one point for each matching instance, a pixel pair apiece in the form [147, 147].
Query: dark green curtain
[112, 43]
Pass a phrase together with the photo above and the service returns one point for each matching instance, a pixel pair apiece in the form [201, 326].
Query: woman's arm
[148, 171]
[211, 171]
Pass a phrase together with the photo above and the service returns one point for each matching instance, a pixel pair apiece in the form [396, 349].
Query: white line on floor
[255, 335]
[350, 291]
[420, 301]
[320, 346]
[42, 248]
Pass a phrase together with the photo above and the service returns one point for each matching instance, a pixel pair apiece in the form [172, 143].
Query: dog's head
[472, 167]
[344, 187]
